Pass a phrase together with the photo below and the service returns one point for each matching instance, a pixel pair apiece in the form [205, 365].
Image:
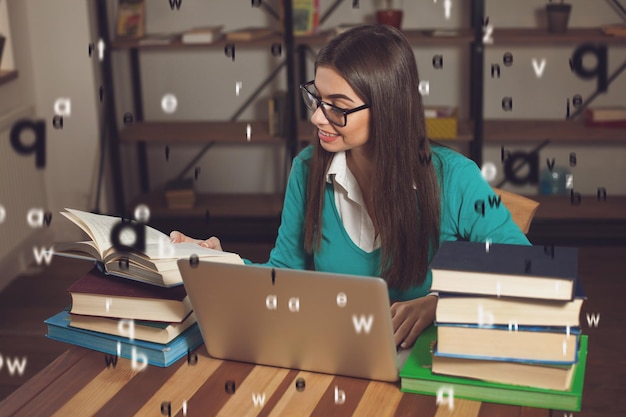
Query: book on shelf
[505, 270]
[149, 331]
[546, 344]
[156, 354]
[605, 116]
[618, 29]
[477, 309]
[277, 110]
[206, 34]
[180, 193]
[130, 18]
[306, 16]
[155, 264]
[159, 39]
[249, 34]
[96, 294]
[416, 376]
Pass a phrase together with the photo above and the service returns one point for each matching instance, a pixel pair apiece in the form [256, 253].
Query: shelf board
[7, 75]
[560, 208]
[195, 132]
[415, 36]
[223, 206]
[553, 130]
[267, 41]
[529, 36]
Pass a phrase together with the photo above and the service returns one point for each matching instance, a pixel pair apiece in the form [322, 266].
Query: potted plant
[558, 16]
[389, 13]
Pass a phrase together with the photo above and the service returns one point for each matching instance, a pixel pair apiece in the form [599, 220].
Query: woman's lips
[327, 136]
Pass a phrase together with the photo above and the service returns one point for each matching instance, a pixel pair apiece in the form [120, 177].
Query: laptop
[313, 321]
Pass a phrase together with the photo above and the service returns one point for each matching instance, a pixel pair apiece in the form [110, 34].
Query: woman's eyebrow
[335, 96]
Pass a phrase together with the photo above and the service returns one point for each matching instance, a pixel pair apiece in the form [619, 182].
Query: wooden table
[79, 383]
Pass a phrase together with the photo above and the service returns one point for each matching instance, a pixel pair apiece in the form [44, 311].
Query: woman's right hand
[211, 243]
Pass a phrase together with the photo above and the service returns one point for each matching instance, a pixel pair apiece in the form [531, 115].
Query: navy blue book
[501, 270]
[539, 344]
[155, 353]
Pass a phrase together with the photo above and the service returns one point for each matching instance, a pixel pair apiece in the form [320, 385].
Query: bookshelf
[473, 132]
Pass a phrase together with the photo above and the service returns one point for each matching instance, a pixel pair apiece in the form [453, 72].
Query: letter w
[42, 253]
[593, 320]
[360, 323]
[176, 3]
[425, 159]
[494, 201]
[258, 399]
[110, 359]
[13, 366]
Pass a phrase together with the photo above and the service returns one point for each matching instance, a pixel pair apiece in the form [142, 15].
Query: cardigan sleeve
[475, 209]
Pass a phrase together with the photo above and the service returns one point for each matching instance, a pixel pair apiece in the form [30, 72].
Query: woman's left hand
[409, 318]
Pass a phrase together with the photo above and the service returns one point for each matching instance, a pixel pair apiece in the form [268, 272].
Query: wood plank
[218, 389]
[379, 399]
[68, 379]
[218, 205]
[262, 384]
[180, 387]
[31, 389]
[302, 403]
[203, 132]
[523, 130]
[458, 408]
[553, 207]
[93, 396]
[532, 36]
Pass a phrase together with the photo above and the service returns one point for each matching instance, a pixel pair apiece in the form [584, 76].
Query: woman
[372, 197]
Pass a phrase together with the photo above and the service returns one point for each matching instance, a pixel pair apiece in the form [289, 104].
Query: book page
[99, 227]
[167, 250]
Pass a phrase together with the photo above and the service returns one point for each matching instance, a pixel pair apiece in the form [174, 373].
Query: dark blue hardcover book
[502, 270]
[157, 354]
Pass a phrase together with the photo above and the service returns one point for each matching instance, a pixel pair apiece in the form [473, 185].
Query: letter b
[340, 395]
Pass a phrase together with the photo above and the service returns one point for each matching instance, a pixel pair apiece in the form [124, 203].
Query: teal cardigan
[461, 185]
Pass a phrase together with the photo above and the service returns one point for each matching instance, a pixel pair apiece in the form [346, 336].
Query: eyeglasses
[334, 114]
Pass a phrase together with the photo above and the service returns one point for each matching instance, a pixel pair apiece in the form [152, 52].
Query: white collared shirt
[350, 204]
[351, 207]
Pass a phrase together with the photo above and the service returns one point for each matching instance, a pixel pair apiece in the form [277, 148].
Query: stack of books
[116, 315]
[132, 304]
[180, 194]
[507, 327]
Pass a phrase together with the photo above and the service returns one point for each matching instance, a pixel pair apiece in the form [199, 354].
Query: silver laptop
[313, 321]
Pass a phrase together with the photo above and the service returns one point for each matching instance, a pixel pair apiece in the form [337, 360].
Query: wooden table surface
[79, 383]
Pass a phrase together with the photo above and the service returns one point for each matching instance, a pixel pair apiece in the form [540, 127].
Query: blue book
[540, 344]
[154, 353]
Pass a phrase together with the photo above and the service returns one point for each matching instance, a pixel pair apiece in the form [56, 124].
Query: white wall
[50, 41]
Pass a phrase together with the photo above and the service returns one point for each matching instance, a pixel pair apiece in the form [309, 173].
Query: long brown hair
[379, 65]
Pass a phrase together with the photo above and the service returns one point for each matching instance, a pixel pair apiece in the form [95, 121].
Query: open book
[154, 265]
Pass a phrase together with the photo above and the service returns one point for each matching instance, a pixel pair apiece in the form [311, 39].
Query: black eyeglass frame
[345, 112]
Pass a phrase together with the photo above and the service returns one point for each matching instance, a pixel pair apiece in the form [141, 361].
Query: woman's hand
[409, 318]
[211, 243]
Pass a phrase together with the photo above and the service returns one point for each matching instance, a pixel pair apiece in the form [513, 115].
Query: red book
[98, 294]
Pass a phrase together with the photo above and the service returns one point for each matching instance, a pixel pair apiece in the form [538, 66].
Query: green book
[417, 377]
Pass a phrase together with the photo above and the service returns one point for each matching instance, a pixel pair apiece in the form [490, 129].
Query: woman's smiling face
[333, 88]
